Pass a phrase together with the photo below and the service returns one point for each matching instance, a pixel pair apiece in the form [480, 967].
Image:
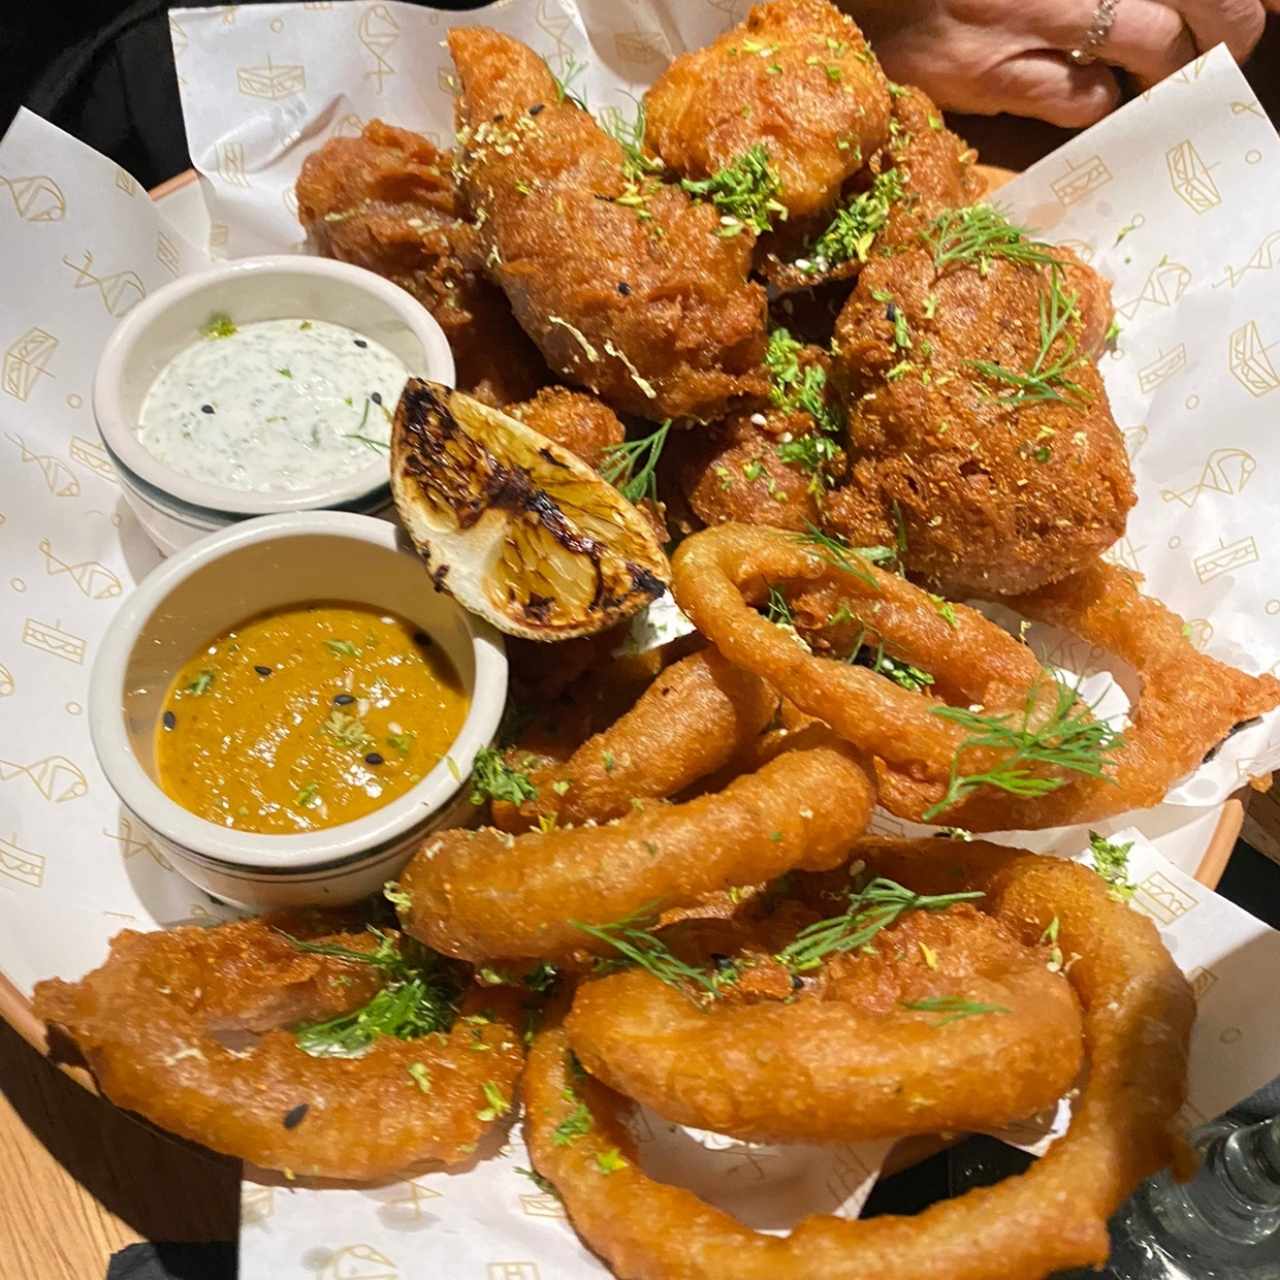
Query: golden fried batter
[1001, 454]
[386, 201]
[796, 76]
[584, 425]
[622, 282]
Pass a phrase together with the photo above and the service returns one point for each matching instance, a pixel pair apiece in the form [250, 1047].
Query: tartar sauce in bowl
[272, 406]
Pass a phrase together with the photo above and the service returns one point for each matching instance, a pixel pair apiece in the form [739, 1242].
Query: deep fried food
[486, 894]
[516, 528]
[386, 201]
[622, 282]
[149, 1023]
[696, 717]
[895, 1040]
[581, 423]
[796, 77]
[975, 417]
[1138, 1011]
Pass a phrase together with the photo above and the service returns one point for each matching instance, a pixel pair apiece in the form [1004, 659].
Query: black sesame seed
[373, 758]
[624, 288]
[891, 313]
[296, 1115]
[360, 342]
[721, 962]
[168, 719]
[343, 699]
[796, 982]
[421, 637]
[536, 108]
[262, 671]
[206, 408]
[375, 396]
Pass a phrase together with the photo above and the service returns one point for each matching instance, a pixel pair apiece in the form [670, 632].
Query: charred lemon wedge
[514, 527]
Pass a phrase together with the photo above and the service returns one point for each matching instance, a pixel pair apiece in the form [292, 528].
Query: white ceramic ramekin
[176, 509]
[223, 579]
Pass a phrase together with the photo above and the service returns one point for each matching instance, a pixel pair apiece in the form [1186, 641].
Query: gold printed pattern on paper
[49, 638]
[126, 183]
[1199, 632]
[359, 1262]
[36, 199]
[230, 166]
[642, 48]
[55, 777]
[1224, 558]
[1191, 179]
[1158, 897]
[557, 25]
[403, 1202]
[89, 453]
[513, 1271]
[120, 292]
[1162, 368]
[1081, 180]
[25, 359]
[93, 577]
[6, 681]
[378, 31]
[167, 253]
[1166, 282]
[1226, 471]
[1201, 980]
[271, 82]
[134, 840]
[1123, 554]
[1134, 439]
[257, 1203]
[542, 1205]
[1249, 361]
[1263, 258]
[849, 1172]
[22, 865]
[59, 479]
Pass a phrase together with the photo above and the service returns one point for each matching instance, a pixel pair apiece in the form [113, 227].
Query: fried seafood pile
[799, 352]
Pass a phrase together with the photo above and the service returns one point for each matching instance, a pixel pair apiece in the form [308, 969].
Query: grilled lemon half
[514, 527]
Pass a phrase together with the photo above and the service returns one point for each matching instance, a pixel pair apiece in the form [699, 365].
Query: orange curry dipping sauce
[306, 717]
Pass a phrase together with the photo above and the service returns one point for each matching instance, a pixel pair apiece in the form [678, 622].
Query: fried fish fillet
[584, 425]
[623, 282]
[977, 417]
[796, 77]
[387, 201]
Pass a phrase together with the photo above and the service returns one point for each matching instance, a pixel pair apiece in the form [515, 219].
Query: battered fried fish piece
[924, 170]
[584, 425]
[387, 201]
[976, 414]
[796, 77]
[623, 282]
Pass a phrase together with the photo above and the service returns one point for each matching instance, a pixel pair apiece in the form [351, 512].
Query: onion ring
[973, 662]
[870, 1052]
[146, 1022]
[697, 716]
[483, 895]
[1137, 1011]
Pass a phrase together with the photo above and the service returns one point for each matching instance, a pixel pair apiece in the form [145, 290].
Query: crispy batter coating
[386, 201]
[696, 717]
[148, 1020]
[580, 422]
[488, 895]
[796, 76]
[847, 1058]
[625, 286]
[1138, 1011]
[997, 497]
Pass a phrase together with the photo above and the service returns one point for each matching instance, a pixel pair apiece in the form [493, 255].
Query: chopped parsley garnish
[219, 325]
[881, 903]
[492, 778]
[496, 1102]
[200, 684]
[285, 372]
[347, 730]
[308, 796]
[797, 389]
[953, 1008]
[1050, 938]
[419, 997]
[1111, 862]
[610, 1161]
[632, 465]
[396, 896]
[634, 940]
[850, 234]
[574, 1126]
[401, 742]
[420, 1076]
[744, 192]
[946, 610]
[1066, 738]
[343, 648]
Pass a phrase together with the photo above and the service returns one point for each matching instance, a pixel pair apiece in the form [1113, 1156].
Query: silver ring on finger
[1100, 25]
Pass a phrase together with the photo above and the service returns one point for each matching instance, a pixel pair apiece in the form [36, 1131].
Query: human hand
[988, 56]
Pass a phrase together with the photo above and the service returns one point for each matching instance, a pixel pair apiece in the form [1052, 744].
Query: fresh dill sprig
[835, 551]
[1067, 738]
[777, 609]
[637, 163]
[632, 465]
[881, 903]
[420, 996]
[744, 192]
[977, 234]
[492, 778]
[543, 1184]
[378, 446]
[200, 685]
[953, 1008]
[1111, 862]
[633, 938]
[572, 70]
[913, 679]
[854, 228]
